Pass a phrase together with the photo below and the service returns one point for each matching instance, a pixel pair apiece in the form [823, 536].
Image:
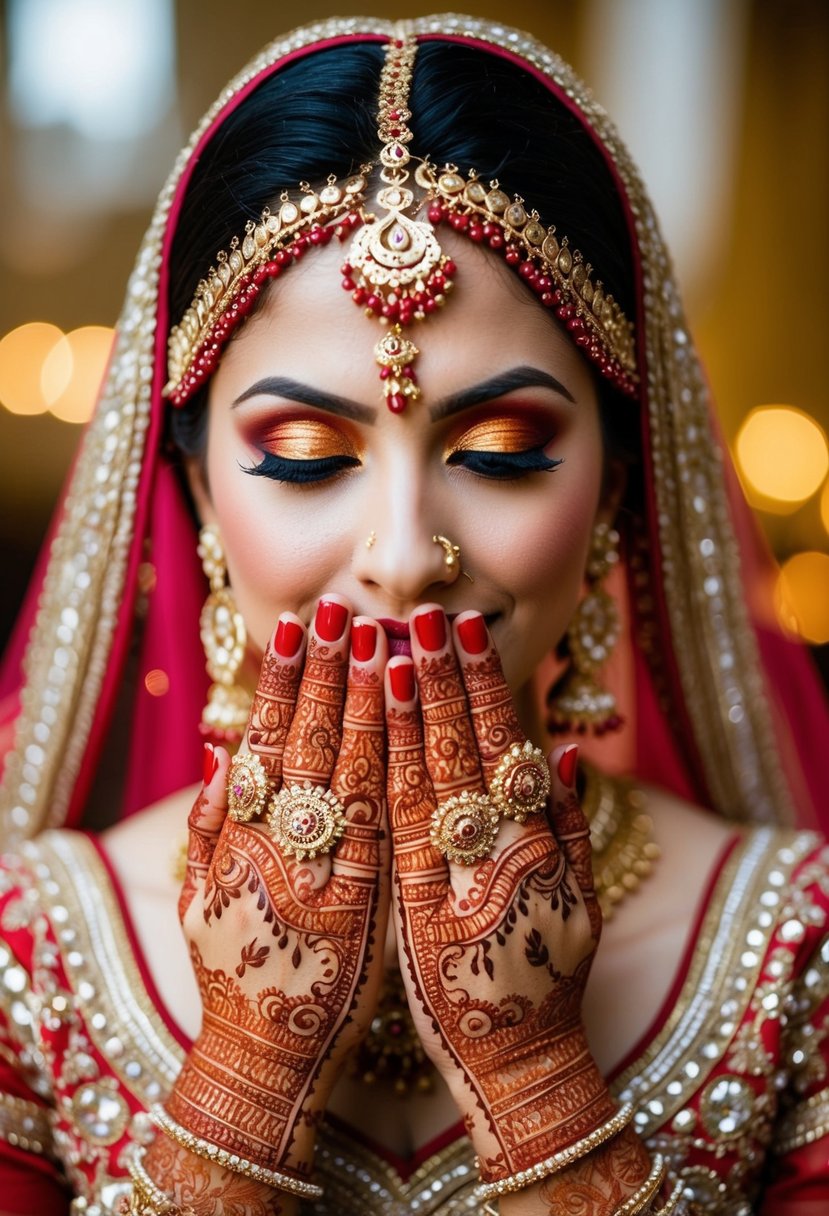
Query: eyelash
[496, 466]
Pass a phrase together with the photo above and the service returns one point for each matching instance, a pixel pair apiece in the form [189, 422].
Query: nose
[404, 560]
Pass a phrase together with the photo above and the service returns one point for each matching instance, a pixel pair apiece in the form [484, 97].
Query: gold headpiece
[396, 270]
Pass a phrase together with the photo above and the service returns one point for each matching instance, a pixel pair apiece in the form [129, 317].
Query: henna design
[314, 737]
[573, 834]
[495, 979]
[252, 1080]
[451, 754]
[492, 710]
[272, 712]
[201, 843]
[601, 1181]
[206, 1188]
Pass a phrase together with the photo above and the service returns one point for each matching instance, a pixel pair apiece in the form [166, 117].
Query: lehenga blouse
[730, 1083]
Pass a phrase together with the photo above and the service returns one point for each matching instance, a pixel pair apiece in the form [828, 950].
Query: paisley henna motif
[314, 737]
[206, 1189]
[600, 1182]
[492, 710]
[448, 737]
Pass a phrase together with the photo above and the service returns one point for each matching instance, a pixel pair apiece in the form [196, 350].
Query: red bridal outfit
[730, 1082]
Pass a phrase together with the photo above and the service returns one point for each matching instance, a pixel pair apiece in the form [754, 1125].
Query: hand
[495, 955]
[288, 953]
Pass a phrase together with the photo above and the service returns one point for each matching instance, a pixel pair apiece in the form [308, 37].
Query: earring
[451, 556]
[577, 701]
[224, 637]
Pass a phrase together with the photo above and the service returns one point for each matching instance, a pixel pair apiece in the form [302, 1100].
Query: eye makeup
[506, 433]
[300, 439]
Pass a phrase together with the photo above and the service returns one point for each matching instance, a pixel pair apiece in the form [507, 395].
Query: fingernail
[330, 620]
[430, 628]
[473, 634]
[567, 764]
[363, 641]
[288, 638]
[401, 677]
[209, 763]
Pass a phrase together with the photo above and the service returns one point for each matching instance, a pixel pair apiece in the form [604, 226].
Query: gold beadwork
[621, 837]
[521, 782]
[224, 638]
[641, 1198]
[248, 787]
[147, 1199]
[231, 1161]
[464, 827]
[670, 1206]
[558, 1161]
[306, 821]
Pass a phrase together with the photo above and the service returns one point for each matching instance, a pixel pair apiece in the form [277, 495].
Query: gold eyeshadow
[506, 433]
[302, 439]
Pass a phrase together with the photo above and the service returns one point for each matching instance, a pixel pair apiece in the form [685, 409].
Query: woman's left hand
[495, 954]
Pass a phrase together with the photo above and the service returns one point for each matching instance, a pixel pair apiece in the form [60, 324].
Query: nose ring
[451, 555]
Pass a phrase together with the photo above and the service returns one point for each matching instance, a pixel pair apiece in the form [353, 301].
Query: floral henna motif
[451, 754]
[573, 834]
[601, 1181]
[492, 710]
[313, 742]
[252, 1082]
[200, 846]
[272, 712]
[206, 1188]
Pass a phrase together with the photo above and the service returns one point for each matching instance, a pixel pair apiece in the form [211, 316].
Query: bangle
[147, 1199]
[639, 1200]
[489, 1210]
[558, 1161]
[669, 1208]
[232, 1161]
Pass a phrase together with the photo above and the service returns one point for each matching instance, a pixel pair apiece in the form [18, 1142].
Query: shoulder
[143, 849]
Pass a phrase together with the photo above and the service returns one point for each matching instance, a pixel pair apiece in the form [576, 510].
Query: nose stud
[371, 540]
[451, 555]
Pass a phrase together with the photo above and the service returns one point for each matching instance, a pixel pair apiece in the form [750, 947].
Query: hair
[469, 108]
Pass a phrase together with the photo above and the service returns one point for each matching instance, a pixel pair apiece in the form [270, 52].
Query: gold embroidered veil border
[715, 646]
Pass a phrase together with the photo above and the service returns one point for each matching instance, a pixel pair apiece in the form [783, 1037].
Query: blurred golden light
[73, 371]
[22, 355]
[157, 682]
[802, 596]
[782, 455]
[824, 506]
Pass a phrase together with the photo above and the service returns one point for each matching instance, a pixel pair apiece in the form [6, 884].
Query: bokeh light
[23, 352]
[802, 596]
[72, 372]
[824, 506]
[782, 455]
[157, 682]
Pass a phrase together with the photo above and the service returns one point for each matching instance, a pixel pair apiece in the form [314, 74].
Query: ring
[521, 784]
[464, 827]
[247, 787]
[306, 820]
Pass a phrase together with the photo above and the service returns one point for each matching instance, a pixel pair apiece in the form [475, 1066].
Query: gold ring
[247, 787]
[464, 827]
[521, 784]
[306, 820]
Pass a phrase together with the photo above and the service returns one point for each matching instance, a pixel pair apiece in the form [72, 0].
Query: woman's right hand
[288, 953]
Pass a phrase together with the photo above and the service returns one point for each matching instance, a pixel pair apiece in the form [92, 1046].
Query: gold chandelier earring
[224, 638]
[578, 702]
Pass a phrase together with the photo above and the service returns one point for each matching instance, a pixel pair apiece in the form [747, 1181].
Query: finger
[491, 705]
[204, 824]
[359, 778]
[316, 729]
[449, 746]
[410, 795]
[570, 826]
[276, 693]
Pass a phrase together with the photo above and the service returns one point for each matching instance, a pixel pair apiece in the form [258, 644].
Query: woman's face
[503, 395]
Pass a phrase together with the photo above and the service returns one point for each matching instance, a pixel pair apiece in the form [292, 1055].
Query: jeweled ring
[464, 827]
[521, 784]
[306, 821]
[248, 786]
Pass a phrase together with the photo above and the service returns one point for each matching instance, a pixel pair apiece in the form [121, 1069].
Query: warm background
[725, 104]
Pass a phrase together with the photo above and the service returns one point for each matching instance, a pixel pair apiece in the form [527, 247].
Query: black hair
[318, 116]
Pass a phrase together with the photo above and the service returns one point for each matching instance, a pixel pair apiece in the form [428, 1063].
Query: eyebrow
[498, 386]
[294, 390]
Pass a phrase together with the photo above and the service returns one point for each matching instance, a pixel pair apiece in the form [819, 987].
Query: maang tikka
[224, 638]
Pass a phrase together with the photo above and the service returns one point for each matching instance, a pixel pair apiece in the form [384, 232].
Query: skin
[525, 541]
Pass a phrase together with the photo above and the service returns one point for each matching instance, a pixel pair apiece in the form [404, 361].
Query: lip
[399, 635]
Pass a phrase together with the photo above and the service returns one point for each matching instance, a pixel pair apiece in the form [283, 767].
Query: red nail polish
[363, 641]
[430, 628]
[567, 765]
[473, 635]
[288, 638]
[209, 763]
[330, 620]
[401, 677]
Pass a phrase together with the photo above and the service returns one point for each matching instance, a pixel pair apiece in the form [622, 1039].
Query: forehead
[308, 327]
